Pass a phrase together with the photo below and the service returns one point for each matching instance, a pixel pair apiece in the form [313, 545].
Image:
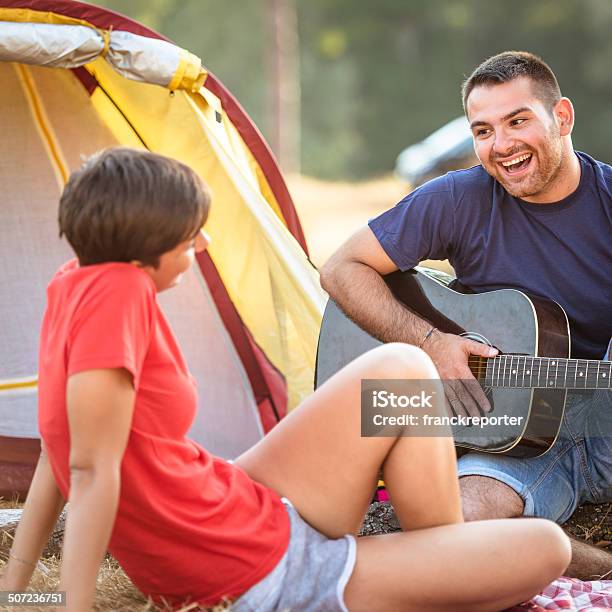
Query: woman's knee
[544, 552]
[559, 548]
[549, 547]
[399, 360]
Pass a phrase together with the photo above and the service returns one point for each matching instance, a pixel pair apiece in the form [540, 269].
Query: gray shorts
[311, 575]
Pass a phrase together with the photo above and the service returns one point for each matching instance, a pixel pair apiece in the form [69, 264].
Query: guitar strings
[507, 368]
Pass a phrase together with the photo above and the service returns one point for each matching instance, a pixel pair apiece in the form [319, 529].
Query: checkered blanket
[570, 595]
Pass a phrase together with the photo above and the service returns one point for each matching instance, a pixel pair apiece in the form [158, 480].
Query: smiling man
[522, 136]
[535, 216]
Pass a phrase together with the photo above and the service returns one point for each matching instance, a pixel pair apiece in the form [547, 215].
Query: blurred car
[448, 148]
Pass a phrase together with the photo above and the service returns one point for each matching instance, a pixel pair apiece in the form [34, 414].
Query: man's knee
[486, 498]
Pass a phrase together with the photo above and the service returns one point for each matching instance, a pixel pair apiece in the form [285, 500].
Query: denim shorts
[577, 469]
[311, 575]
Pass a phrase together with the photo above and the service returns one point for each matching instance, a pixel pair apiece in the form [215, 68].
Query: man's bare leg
[589, 562]
[486, 498]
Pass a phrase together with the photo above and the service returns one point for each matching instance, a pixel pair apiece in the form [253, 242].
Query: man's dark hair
[510, 65]
[124, 204]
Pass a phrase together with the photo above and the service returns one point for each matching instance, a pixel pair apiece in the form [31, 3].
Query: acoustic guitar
[529, 378]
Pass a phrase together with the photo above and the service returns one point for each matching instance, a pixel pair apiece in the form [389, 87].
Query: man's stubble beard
[550, 166]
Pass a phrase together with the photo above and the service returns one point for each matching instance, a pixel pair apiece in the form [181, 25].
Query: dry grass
[114, 590]
[593, 524]
[7, 504]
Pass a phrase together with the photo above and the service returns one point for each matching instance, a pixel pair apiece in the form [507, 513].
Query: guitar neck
[519, 371]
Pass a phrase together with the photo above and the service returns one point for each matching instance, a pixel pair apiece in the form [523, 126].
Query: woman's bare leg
[484, 566]
[317, 458]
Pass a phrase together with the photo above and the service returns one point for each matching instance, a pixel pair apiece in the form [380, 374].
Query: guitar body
[508, 319]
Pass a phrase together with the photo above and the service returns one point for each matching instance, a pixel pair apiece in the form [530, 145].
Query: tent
[77, 78]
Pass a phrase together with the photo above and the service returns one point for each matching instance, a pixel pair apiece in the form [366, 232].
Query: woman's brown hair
[127, 205]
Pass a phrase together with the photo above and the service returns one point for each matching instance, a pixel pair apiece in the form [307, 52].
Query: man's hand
[450, 354]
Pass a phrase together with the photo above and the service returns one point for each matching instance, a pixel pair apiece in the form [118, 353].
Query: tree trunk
[285, 94]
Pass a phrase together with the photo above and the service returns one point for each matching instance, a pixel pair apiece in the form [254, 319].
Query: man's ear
[564, 115]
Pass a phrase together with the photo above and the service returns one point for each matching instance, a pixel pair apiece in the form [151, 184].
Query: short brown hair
[125, 204]
[510, 65]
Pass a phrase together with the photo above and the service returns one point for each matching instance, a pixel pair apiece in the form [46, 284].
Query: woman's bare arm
[42, 508]
[100, 407]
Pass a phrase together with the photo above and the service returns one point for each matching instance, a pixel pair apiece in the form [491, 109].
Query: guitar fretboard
[542, 372]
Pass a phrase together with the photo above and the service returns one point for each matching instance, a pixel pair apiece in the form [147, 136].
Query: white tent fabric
[135, 57]
[42, 106]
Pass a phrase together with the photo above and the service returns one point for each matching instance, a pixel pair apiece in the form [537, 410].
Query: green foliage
[378, 76]
[229, 37]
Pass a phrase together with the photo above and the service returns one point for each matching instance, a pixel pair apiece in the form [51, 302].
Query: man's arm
[100, 407]
[41, 511]
[353, 278]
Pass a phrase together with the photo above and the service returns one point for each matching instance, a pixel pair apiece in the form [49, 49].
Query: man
[535, 216]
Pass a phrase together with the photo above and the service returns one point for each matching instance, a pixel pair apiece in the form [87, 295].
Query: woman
[115, 402]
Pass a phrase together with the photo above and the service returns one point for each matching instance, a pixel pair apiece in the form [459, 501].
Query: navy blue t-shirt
[560, 251]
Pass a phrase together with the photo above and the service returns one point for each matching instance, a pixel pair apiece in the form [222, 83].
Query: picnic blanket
[571, 595]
